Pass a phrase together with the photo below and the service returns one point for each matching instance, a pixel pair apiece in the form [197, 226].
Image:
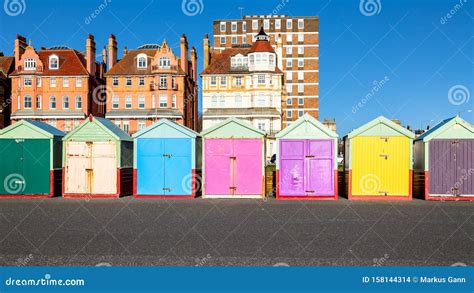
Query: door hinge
[384, 192]
[309, 156]
[233, 157]
[384, 155]
[167, 155]
[166, 188]
[310, 191]
[233, 187]
[455, 142]
[384, 138]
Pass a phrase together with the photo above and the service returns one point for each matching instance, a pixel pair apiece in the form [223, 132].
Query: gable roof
[236, 121]
[106, 125]
[309, 119]
[41, 127]
[386, 122]
[6, 65]
[172, 124]
[444, 124]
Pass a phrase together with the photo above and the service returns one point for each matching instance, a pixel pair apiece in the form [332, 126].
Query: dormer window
[164, 62]
[30, 64]
[142, 61]
[53, 62]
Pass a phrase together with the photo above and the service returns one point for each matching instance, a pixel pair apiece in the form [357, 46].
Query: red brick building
[7, 65]
[57, 85]
[151, 83]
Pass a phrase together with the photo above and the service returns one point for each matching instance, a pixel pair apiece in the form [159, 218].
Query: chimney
[20, 45]
[279, 52]
[184, 53]
[194, 63]
[90, 54]
[125, 51]
[112, 60]
[104, 55]
[207, 51]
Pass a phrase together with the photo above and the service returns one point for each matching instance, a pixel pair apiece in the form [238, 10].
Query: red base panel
[305, 197]
[390, 197]
[193, 192]
[442, 198]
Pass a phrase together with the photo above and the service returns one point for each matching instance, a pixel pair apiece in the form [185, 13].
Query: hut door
[247, 167]
[77, 164]
[395, 166]
[465, 167]
[104, 168]
[319, 166]
[177, 167]
[292, 167]
[11, 170]
[218, 160]
[150, 166]
[36, 166]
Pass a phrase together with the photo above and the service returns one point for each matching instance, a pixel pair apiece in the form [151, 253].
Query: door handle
[384, 192]
[309, 156]
[167, 155]
[384, 138]
[167, 188]
[233, 187]
[384, 155]
[233, 157]
[310, 191]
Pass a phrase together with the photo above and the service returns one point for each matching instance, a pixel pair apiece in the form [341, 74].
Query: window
[234, 40]
[262, 125]
[128, 81]
[38, 81]
[65, 82]
[223, 27]
[30, 64]
[289, 114]
[115, 81]
[173, 83]
[38, 102]
[128, 102]
[300, 62]
[271, 59]
[213, 80]
[300, 23]
[78, 102]
[141, 81]
[27, 81]
[163, 82]
[289, 63]
[289, 23]
[52, 82]
[164, 62]
[27, 103]
[222, 101]
[289, 88]
[238, 100]
[300, 37]
[67, 125]
[300, 75]
[261, 78]
[254, 24]
[266, 24]
[142, 60]
[289, 101]
[222, 40]
[300, 113]
[300, 88]
[278, 23]
[117, 123]
[300, 50]
[258, 59]
[244, 26]
[300, 101]
[78, 81]
[223, 80]
[141, 101]
[238, 80]
[261, 100]
[53, 62]
[214, 101]
[141, 124]
[234, 26]
[163, 101]
[52, 102]
[289, 38]
[115, 101]
[173, 101]
[65, 102]
[289, 50]
[289, 75]
[251, 59]
[244, 40]
[126, 126]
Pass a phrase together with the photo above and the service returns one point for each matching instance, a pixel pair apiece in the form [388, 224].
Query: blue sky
[411, 60]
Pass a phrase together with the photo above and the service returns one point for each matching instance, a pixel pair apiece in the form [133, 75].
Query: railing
[37, 69]
[158, 68]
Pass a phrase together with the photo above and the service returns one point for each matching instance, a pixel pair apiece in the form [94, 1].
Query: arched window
[27, 104]
[164, 62]
[30, 64]
[142, 61]
[53, 62]
[78, 102]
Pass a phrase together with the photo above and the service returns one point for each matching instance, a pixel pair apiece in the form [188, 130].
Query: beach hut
[306, 161]
[166, 161]
[444, 160]
[378, 161]
[30, 164]
[233, 160]
[97, 160]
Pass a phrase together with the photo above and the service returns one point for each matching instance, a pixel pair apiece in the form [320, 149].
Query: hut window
[65, 102]
[163, 101]
[78, 102]
[128, 102]
[38, 102]
[52, 102]
[142, 61]
[27, 102]
[141, 101]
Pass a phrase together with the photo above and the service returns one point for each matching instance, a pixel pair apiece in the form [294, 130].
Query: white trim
[303, 83]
